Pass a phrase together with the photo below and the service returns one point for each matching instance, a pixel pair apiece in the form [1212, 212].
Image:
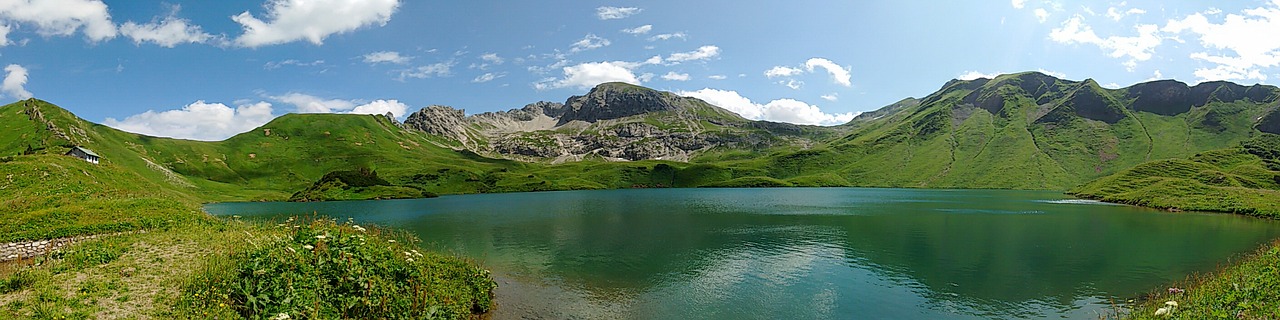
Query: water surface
[807, 253]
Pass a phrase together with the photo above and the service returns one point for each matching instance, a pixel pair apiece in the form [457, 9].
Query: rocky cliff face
[614, 121]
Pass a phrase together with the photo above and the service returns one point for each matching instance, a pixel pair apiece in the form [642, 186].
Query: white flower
[1162, 311]
[308, 247]
[291, 249]
[281, 316]
[358, 228]
[1171, 303]
[391, 241]
[321, 237]
[410, 259]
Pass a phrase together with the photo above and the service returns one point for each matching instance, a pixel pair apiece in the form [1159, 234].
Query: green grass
[320, 269]
[1249, 289]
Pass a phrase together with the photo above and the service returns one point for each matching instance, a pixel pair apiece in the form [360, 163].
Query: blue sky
[209, 69]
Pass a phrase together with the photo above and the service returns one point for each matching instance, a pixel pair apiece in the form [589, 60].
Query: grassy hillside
[1244, 179]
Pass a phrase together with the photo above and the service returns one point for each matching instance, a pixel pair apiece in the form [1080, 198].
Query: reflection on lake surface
[807, 253]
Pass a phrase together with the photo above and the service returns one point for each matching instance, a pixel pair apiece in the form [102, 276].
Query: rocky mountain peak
[440, 120]
[617, 100]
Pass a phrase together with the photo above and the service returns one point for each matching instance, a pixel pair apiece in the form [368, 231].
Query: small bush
[322, 270]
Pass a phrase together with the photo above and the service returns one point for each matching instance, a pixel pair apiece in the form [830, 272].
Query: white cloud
[15, 81]
[380, 107]
[167, 33]
[1041, 14]
[492, 58]
[669, 36]
[781, 71]
[1155, 76]
[781, 110]
[975, 75]
[386, 57]
[272, 65]
[792, 83]
[1136, 48]
[611, 13]
[61, 17]
[591, 41]
[1054, 74]
[441, 69]
[311, 20]
[831, 97]
[1245, 43]
[1118, 14]
[1111, 85]
[717, 77]
[639, 30]
[490, 76]
[1019, 4]
[197, 121]
[587, 75]
[839, 75]
[673, 76]
[703, 53]
[305, 103]
[646, 77]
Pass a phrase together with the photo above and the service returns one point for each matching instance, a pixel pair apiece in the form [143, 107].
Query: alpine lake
[802, 253]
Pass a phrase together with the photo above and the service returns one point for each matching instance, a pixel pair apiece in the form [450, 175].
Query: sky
[207, 70]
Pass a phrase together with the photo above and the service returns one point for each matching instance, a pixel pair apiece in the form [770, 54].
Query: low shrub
[320, 269]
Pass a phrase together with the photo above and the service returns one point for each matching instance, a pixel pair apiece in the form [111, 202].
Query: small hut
[82, 153]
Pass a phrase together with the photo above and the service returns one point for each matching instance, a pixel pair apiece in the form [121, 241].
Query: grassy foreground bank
[172, 261]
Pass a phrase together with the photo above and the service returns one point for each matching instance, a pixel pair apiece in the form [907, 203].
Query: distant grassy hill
[1244, 179]
[1026, 131]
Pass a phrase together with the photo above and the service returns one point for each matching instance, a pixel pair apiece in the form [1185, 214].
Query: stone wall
[29, 249]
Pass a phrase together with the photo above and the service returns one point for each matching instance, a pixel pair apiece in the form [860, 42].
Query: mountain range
[1016, 131]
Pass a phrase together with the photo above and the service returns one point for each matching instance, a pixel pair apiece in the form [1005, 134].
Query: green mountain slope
[1244, 179]
[1033, 131]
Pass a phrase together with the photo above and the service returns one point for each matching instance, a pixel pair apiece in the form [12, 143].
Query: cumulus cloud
[780, 110]
[396, 108]
[703, 53]
[1136, 48]
[839, 75]
[781, 71]
[590, 74]
[1118, 14]
[1019, 4]
[305, 103]
[673, 76]
[492, 58]
[15, 81]
[169, 32]
[611, 13]
[386, 57]
[61, 17]
[197, 121]
[311, 20]
[1041, 14]
[1243, 43]
[975, 75]
[639, 30]
[591, 41]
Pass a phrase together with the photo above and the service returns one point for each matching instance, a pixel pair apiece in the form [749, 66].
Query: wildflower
[281, 316]
[415, 252]
[358, 228]
[321, 237]
[410, 259]
[1163, 311]
[308, 247]
[392, 241]
[1171, 303]
[291, 250]
[1176, 290]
